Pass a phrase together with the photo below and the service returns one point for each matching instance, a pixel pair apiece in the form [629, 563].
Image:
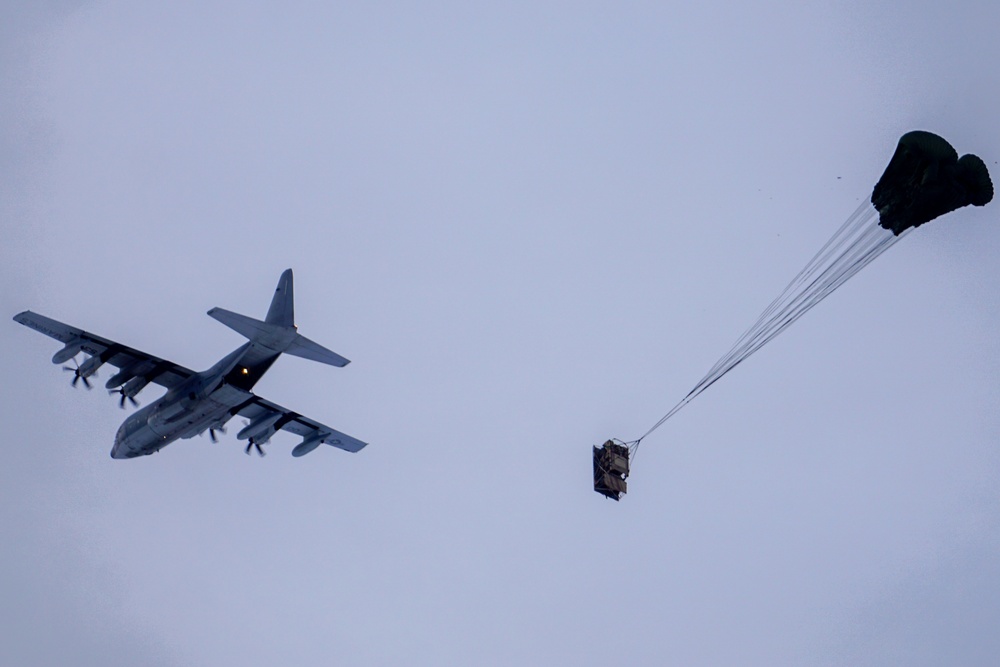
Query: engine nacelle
[135, 385]
[90, 366]
[265, 437]
[121, 377]
[257, 429]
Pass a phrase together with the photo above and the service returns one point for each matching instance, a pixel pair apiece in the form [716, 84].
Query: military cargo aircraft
[198, 402]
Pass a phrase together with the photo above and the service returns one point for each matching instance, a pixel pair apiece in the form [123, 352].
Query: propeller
[75, 369]
[254, 443]
[212, 432]
[121, 403]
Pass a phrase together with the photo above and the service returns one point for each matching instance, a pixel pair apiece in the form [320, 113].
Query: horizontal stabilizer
[277, 338]
[247, 326]
[307, 349]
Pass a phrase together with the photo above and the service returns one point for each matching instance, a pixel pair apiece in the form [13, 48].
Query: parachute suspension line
[833, 248]
[858, 242]
[856, 255]
[633, 448]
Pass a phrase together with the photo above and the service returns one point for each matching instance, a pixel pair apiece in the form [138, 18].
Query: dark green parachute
[926, 178]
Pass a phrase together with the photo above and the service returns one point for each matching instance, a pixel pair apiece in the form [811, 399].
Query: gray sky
[531, 227]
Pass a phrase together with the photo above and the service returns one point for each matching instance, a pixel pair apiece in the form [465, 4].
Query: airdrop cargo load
[611, 469]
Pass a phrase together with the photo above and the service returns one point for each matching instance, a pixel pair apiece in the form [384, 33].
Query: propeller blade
[212, 436]
[121, 401]
[253, 443]
[75, 369]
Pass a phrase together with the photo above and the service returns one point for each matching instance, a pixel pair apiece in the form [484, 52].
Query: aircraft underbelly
[199, 416]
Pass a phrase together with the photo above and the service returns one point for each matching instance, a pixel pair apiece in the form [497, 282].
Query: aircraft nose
[118, 450]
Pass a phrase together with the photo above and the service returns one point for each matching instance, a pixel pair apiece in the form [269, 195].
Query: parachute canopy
[926, 178]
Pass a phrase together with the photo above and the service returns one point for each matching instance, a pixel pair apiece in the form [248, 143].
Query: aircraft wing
[164, 373]
[261, 409]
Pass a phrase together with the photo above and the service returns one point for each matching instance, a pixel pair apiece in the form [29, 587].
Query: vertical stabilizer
[282, 310]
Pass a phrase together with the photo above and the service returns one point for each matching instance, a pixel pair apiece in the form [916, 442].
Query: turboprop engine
[84, 370]
[259, 431]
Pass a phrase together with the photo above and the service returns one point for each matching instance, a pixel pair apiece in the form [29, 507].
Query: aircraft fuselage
[205, 401]
[155, 426]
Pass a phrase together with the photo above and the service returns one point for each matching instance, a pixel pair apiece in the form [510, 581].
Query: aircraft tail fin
[282, 310]
[277, 332]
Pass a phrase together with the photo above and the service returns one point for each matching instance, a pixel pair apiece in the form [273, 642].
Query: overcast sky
[531, 227]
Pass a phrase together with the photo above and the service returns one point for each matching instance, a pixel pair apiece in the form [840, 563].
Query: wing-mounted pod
[71, 349]
[309, 443]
